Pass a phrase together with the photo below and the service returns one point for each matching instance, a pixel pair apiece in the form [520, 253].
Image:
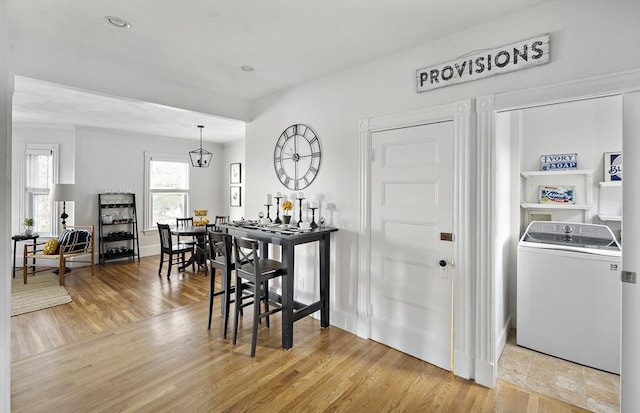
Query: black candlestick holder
[268, 217]
[300, 208]
[278, 220]
[313, 217]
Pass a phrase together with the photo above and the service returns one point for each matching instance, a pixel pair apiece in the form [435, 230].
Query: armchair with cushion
[75, 241]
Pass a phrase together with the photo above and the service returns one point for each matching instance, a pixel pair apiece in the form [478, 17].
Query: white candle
[313, 204]
[300, 195]
[268, 199]
[278, 195]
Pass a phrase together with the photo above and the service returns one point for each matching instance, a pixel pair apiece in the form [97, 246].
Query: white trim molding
[486, 366]
[630, 371]
[599, 86]
[488, 341]
[461, 114]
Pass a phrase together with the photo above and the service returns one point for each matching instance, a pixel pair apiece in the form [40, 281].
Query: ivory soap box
[556, 195]
[559, 161]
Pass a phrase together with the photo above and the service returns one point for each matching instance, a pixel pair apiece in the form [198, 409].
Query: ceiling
[39, 102]
[204, 44]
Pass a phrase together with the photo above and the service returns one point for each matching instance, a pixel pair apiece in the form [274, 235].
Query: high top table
[288, 239]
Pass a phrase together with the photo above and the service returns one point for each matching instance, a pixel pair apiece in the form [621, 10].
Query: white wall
[6, 90]
[588, 128]
[64, 136]
[114, 160]
[333, 105]
[233, 152]
[99, 160]
[630, 369]
[502, 237]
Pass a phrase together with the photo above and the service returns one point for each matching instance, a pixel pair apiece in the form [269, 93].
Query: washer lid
[571, 234]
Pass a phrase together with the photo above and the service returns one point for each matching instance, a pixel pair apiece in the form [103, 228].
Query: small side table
[21, 237]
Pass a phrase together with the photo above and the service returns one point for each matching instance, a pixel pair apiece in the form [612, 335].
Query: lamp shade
[63, 192]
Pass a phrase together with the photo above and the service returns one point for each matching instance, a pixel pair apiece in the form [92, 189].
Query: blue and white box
[559, 161]
[613, 166]
[556, 194]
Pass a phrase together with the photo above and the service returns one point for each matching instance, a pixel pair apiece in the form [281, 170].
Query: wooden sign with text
[516, 56]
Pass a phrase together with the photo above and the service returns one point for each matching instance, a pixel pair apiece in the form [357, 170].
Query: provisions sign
[516, 56]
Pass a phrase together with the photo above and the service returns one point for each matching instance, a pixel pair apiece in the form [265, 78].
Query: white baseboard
[462, 365]
[150, 250]
[485, 373]
[344, 320]
[501, 340]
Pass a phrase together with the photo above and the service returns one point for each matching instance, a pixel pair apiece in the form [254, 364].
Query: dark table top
[277, 234]
[23, 237]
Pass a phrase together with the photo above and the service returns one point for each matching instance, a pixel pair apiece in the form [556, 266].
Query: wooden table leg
[325, 260]
[288, 281]
[15, 243]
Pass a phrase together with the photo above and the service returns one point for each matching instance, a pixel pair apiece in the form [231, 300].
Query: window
[40, 169]
[167, 191]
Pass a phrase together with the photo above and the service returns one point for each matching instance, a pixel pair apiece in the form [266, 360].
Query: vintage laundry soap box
[559, 161]
[613, 166]
[556, 194]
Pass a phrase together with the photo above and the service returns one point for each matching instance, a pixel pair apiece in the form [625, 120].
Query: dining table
[288, 237]
[199, 232]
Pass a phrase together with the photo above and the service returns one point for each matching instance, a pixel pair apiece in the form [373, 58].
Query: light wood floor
[135, 342]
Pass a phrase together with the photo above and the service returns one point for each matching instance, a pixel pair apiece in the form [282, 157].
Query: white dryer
[569, 293]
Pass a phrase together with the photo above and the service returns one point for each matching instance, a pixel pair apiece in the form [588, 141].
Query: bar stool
[220, 258]
[253, 273]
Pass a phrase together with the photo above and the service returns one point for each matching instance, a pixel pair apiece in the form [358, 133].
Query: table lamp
[63, 193]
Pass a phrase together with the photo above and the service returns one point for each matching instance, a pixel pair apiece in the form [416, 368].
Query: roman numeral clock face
[296, 157]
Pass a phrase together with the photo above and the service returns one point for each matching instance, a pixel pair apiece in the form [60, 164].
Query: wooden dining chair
[253, 273]
[184, 223]
[220, 219]
[168, 248]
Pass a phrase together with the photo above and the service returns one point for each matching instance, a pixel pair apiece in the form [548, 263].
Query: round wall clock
[296, 157]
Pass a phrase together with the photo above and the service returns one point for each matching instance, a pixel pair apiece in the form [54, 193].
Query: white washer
[570, 294]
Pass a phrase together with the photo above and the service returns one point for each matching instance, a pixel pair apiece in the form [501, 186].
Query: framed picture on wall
[235, 173]
[235, 196]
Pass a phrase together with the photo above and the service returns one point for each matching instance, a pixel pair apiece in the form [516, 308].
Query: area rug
[42, 291]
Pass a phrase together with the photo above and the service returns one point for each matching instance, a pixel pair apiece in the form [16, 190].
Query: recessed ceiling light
[247, 68]
[117, 22]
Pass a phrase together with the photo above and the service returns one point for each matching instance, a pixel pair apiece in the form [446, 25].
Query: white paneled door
[411, 210]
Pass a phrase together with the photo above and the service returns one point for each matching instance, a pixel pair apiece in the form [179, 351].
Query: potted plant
[287, 206]
[28, 223]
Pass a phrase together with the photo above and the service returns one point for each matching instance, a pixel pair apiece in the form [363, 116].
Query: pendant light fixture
[200, 158]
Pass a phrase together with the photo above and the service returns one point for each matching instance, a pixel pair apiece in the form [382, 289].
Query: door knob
[442, 263]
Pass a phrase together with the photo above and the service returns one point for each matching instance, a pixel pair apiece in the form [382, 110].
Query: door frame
[461, 113]
[620, 83]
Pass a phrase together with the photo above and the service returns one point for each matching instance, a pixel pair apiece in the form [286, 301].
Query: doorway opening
[589, 128]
